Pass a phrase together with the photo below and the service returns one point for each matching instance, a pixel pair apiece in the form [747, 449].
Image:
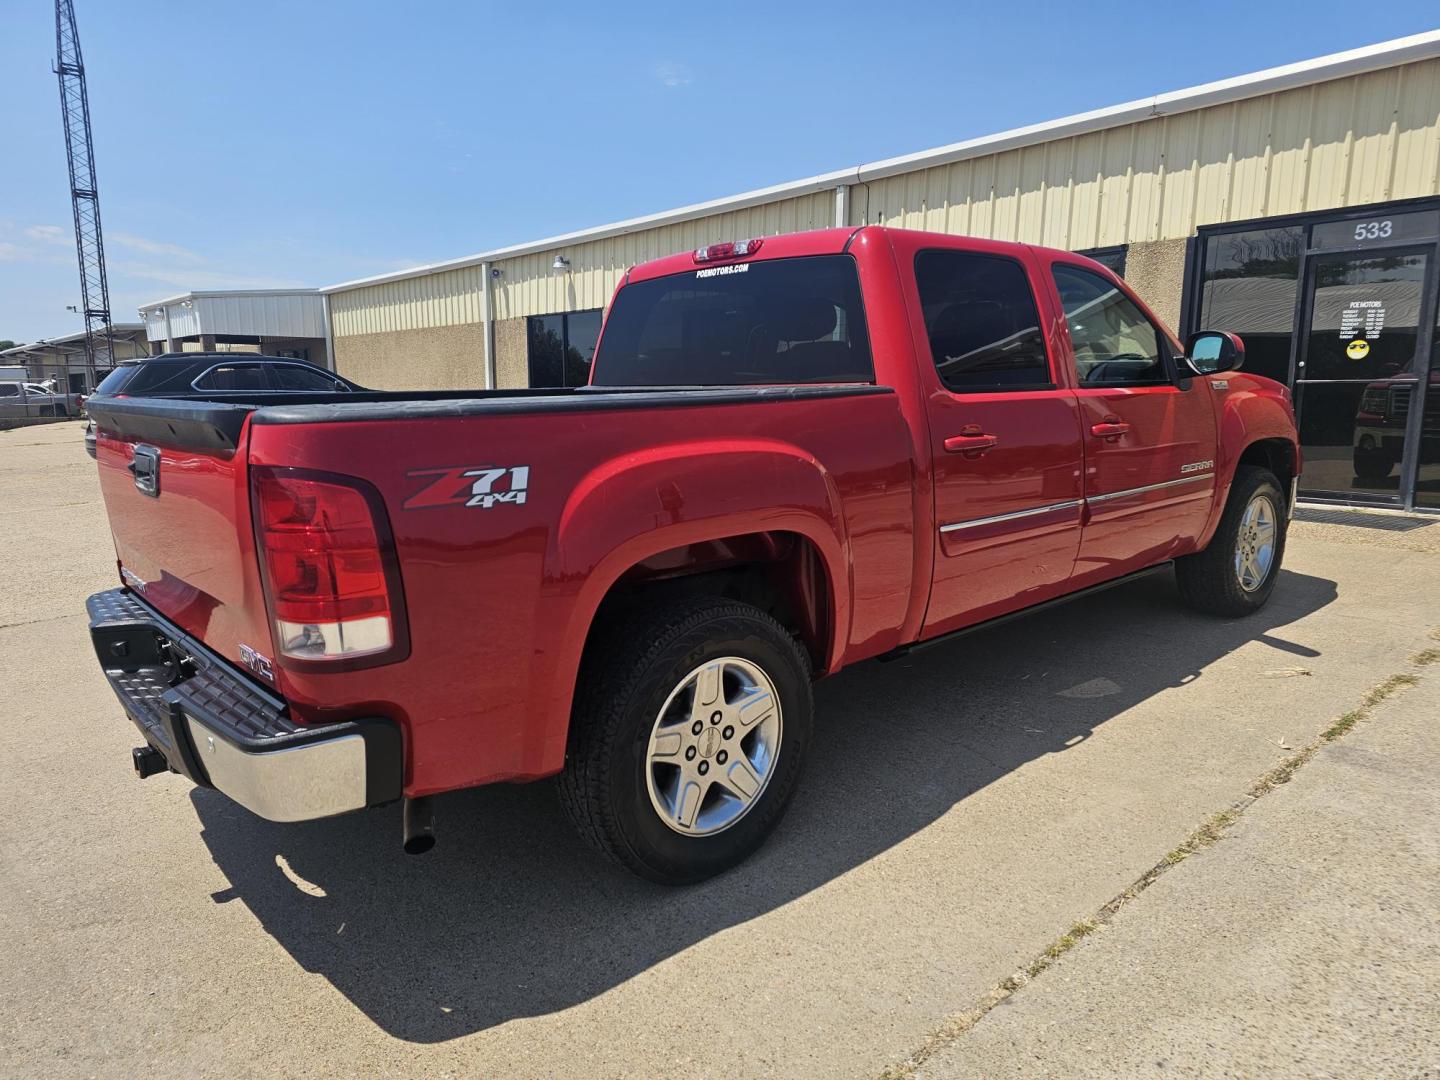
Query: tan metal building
[62, 359]
[1256, 178]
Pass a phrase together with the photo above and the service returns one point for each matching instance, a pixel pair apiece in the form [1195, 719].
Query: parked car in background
[172, 375]
[1380, 422]
[796, 453]
[206, 374]
[20, 398]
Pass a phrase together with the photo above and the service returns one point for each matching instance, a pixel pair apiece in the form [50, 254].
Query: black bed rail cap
[337, 408]
[184, 425]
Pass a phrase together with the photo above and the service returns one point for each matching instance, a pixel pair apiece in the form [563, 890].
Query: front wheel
[690, 726]
[1372, 465]
[1236, 573]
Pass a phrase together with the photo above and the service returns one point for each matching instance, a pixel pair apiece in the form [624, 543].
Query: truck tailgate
[174, 479]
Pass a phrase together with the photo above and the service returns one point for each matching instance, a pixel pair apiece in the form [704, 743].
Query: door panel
[1009, 518]
[1149, 439]
[1358, 370]
[1004, 434]
[1150, 489]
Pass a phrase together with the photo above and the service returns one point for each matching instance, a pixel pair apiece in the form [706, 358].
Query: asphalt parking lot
[963, 808]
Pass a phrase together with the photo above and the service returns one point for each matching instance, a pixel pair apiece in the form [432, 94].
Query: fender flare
[1247, 416]
[628, 509]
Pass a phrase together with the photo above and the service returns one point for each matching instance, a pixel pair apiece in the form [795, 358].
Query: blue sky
[263, 144]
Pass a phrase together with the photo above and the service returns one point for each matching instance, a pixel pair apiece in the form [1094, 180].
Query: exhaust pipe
[418, 818]
[148, 761]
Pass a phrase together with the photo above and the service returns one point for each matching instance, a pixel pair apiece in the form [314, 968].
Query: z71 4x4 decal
[480, 486]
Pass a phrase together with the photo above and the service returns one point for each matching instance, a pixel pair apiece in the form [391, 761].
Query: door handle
[1111, 428]
[971, 441]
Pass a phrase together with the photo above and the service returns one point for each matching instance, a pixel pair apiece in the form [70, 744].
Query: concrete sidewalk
[961, 808]
[1305, 943]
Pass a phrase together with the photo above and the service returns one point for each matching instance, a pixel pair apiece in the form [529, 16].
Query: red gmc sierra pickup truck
[795, 453]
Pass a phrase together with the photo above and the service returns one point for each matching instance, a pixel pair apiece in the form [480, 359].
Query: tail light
[328, 562]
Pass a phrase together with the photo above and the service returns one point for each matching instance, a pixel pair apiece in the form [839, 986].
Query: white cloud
[35, 244]
[672, 74]
[187, 278]
[152, 247]
[49, 234]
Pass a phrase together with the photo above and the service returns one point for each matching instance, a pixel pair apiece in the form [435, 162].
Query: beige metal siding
[528, 285]
[1363, 139]
[449, 298]
[1347, 142]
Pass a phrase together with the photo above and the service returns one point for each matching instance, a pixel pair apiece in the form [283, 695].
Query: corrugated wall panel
[1363, 139]
[1352, 141]
[529, 286]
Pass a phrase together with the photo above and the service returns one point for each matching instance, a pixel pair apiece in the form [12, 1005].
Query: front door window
[1358, 368]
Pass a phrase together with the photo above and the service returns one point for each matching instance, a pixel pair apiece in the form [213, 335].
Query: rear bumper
[220, 729]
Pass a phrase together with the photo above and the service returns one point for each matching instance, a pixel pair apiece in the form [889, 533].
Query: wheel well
[1277, 455]
[781, 573]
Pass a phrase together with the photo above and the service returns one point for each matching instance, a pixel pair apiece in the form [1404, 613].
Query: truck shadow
[511, 916]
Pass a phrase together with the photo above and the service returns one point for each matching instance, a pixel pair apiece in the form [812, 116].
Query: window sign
[1381, 229]
[1362, 317]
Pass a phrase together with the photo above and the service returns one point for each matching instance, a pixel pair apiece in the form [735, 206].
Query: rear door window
[981, 320]
[298, 377]
[234, 377]
[783, 321]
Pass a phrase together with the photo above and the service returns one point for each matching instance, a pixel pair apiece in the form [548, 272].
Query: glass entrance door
[1364, 349]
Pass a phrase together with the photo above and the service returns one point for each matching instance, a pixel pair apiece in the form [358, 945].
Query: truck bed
[500, 593]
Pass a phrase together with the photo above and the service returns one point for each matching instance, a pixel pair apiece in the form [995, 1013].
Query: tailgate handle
[146, 468]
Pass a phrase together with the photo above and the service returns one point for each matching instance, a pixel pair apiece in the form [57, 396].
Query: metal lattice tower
[84, 193]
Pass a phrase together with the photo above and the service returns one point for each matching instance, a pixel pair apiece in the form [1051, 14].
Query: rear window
[159, 378]
[236, 378]
[112, 383]
[782, 321]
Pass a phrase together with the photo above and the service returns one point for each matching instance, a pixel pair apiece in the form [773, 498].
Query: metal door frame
[1404, 497]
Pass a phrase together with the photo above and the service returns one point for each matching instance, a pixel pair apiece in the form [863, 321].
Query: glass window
[1249, 284]
[9, 389]
[546, 344]
[112, 382]
[1365, 318]
[1113, 342]
[981, 320]
[562, 347]
[781, 321]
[582, 331]
[295, 377]
[234, 377]
[1112, 258]
[1379, 229]
[159, 378]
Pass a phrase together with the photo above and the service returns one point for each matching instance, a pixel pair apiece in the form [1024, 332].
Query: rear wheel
[1236, 573]
[691, 724]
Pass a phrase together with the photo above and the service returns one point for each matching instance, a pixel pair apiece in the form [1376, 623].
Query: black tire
[1372, 465]
[1208, 580]
[627, 676]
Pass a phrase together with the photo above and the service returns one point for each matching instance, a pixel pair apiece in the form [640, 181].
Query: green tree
[6, 343]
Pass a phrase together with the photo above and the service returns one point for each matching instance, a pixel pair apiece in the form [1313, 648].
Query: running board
[903, 650]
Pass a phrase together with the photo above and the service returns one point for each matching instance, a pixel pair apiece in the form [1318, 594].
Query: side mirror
[1212, 351]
